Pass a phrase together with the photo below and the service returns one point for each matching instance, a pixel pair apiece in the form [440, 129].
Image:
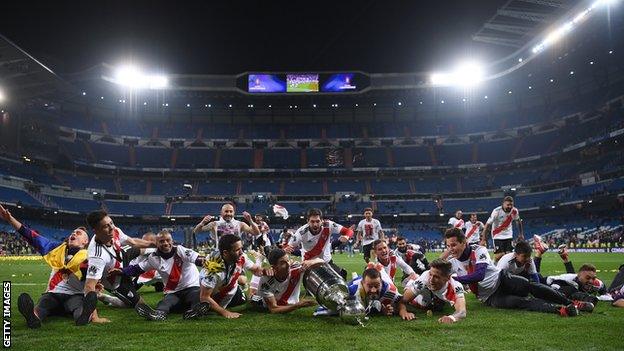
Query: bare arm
[460, 312]
[484, 234]
[140, 243]
[521, 235]
[252, 227]
[275, 308]
[202, 225]
[6, 215]
[205, 295]
[408, 296]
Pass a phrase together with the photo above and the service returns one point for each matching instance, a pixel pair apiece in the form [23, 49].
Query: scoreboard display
[307, 83]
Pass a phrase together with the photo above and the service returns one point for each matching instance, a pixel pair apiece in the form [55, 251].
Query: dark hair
[368, 209]
[587, 267]
[508, 199]
[377, 242]
[227, 241]
[455, 233]
[400, 238]
[95, 217]
[442, 265]
[314, 212]
[372, 273]
[275, 255]
[523, 248]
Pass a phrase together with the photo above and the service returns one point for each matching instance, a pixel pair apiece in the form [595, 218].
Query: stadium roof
[23, 77]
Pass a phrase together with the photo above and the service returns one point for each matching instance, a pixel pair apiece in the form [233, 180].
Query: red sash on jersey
[393, 266]
[233, 280]
[459, 223]
[471, 268]
[450, 292]
[320, 244]
[149, 274]
[56, 278]
[473, 230]
[292, 284]
[505, 223]
[175, 274]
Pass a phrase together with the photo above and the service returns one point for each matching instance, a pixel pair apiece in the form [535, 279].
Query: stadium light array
[466, 74]
[569, 26]
[132, 77]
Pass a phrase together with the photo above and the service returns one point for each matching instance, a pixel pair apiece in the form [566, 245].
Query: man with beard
[177, 267]
[436, 288]
[376, 291]
[500, 289]
[64, 292]
[227, 224]
[582, 285]
[314, 239]
[413, 255]
[368, 231]
[219, 288]
[499, 225]
[391, 262]
[280, 293]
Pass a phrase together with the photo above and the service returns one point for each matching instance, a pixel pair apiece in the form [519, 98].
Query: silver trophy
[331, 292]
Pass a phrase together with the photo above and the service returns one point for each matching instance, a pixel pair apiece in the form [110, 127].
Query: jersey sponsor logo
[93, 270]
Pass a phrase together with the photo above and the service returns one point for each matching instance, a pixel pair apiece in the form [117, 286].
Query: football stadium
[312, 176]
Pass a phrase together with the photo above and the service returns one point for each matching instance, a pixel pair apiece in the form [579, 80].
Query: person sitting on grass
[64, 292]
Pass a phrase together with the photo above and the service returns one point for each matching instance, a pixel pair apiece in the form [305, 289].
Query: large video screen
[302, 83]
[339, 82]
[266, 83]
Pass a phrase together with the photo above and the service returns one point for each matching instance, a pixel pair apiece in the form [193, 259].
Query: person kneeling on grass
[219, 287]
[280, 293]
[500, 289]
[436, 288]
[64, 292]
[177, 266]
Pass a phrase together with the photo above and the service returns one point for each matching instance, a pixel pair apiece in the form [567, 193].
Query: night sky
[227, 37]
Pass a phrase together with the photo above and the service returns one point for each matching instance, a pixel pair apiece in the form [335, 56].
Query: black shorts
[366, 249]
[503, 246]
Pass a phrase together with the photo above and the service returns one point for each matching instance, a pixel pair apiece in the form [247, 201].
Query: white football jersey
[178, 272]
[224, 227]
[502, 221]
[473, 231]
[395, 262]
[315, 245]
[285, 292]
[457, 223]
[225, 283]
[508, 263]
[424, 294]
[370, 230]
[478, 254]
[102, 258]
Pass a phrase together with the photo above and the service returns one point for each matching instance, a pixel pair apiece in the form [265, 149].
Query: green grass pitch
[484, 328]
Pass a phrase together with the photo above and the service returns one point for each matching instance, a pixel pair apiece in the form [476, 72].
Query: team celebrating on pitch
[111, 267]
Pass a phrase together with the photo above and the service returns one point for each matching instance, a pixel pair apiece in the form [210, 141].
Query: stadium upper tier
[504, 145]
